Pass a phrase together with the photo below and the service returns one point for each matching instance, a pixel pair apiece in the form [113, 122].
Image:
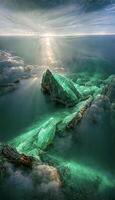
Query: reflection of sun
[49, 46]
[48, 55]
[49, 51]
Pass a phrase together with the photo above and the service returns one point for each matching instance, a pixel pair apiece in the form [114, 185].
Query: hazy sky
[57, 18]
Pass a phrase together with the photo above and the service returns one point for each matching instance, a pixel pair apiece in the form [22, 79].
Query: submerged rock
[60, 88]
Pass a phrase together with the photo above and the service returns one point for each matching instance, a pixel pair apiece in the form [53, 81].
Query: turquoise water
[22, 107]
[87, 151]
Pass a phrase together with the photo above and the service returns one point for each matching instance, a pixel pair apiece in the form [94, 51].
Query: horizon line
[33, 34]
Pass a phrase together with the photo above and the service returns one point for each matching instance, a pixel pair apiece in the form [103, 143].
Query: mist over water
[67, 50]
[25, 59]
[74, 38]
[22, 107]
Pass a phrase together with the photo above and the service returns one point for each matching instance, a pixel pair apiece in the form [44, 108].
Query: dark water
[26, 105]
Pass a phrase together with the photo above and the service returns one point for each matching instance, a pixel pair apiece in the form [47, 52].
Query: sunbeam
[47, 49]
[62, 21]
[57, 99]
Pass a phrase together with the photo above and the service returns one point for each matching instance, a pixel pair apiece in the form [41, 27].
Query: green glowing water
[81, 173]
[88, 62]
[37, 139]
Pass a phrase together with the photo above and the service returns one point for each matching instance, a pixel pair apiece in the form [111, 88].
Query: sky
[57, 18]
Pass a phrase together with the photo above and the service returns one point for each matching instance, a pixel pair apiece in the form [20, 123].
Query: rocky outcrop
[74, 118]
[13, 166]
[11, 155]
[92, 112]
[61, 89]
[36, 141]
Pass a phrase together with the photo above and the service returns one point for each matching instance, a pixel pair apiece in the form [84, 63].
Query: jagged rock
[72, 119]
[61, 89]
[13, 156]
[39, 173]
[41, 137]
[80, 114]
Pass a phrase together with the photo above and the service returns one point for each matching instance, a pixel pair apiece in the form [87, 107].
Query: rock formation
[13, 156]
[73, 118]
[61, 89]
[88, 115]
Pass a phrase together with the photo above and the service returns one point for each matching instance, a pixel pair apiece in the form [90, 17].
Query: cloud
[33, 4]
[13, 68]
[65, 20]
[41, 182]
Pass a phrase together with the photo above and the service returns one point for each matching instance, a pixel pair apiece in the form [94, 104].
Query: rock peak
[60, 88]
